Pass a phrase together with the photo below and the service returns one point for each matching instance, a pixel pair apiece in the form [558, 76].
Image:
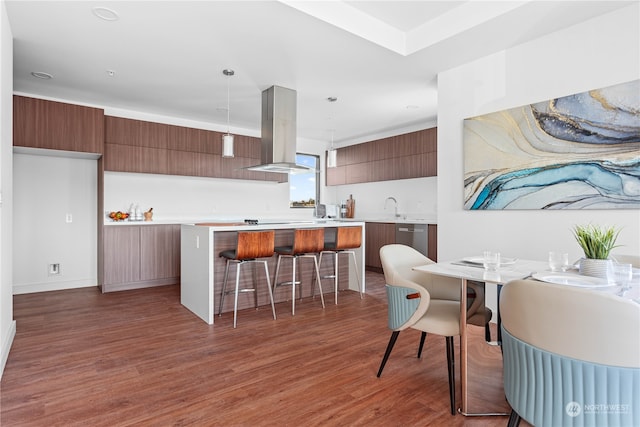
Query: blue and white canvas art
[580, 151]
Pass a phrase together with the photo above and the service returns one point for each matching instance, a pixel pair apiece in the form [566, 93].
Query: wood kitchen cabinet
[38, 123]
[432, 242]
[121, 255]
[140, 256]
[157, 148]
[377, 235]
[411, 155]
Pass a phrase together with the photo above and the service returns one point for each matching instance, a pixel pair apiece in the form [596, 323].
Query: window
[304, 188]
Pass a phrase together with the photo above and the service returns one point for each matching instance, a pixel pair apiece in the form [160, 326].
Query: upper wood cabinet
[411, 155]
[149, 147]
[38, 123]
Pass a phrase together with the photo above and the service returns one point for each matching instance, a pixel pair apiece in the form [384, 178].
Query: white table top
[523, 269]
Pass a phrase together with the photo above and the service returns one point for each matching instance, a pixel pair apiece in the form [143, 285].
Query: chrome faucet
[395, 212]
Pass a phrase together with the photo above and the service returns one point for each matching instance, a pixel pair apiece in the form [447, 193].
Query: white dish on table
[480, 260]
[571, 280]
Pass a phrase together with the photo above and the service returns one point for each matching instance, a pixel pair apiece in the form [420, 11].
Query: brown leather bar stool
[251, 246]
[307, 243]
[347, 239]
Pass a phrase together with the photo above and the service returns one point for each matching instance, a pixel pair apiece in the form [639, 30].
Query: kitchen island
[202, 270]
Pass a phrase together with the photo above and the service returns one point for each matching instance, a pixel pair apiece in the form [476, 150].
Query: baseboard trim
[6, 346]
[30, 288]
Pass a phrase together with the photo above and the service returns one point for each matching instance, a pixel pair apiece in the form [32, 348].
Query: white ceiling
[379, 58]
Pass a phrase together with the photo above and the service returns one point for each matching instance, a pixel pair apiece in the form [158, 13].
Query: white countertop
[269, 220]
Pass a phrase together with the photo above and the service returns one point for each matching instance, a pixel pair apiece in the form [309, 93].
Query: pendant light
[332, 154]
[227, 139]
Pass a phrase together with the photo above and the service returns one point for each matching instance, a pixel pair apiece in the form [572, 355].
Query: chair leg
[235, 302]
[452, 375]
[514, 419]
[293, 285]
[224, 288]
[266, 272]
[275, 276]
[423, 336]
[487, 332]
[392, 341]
[318, 278]
[355, 269]
[335, 275]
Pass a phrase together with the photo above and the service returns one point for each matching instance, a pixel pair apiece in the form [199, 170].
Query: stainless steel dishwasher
[414, 235]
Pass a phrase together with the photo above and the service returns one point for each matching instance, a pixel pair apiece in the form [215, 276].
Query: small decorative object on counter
[148, 215]
[343, 209]
[118, 215]
[351, 207]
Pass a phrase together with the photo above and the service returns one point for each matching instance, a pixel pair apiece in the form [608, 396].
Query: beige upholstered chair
[446, 288]
[413, 304]
[571, 355]
[634, 260]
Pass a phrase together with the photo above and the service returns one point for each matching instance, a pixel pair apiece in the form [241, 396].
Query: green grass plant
[596, 242]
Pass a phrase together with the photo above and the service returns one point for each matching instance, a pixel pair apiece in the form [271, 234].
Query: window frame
[317, 182]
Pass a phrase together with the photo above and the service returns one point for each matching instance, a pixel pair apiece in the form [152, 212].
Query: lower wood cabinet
[377, 235]
[140, 256]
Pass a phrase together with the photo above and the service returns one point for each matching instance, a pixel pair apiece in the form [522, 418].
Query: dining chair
[410, 305]
[347, 239]
[571, 355]
[447, 288]
[251, 247]
[307, 243]
[634, 260]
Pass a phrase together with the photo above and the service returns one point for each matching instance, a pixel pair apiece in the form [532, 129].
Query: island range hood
[279, 132]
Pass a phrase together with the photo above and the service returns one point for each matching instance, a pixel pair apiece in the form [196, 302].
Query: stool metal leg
[315, 262]
[266, 272]
[235, 303]
[355, 269]
[335, 275]
[293, 286]
[224, 288]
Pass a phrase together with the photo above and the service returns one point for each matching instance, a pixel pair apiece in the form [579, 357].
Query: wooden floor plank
[82, 358]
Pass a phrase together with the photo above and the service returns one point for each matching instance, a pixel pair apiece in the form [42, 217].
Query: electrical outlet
[69, 218]
[54, 269]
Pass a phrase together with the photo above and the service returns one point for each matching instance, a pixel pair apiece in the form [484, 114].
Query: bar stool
[307, 243]
[251, 245]
[347, 239]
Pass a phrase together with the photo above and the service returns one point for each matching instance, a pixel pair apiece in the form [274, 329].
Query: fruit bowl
[118, 216]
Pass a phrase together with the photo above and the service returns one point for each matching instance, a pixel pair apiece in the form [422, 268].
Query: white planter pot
[602, 268]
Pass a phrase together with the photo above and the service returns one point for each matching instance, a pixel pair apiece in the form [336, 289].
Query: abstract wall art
[580, 151]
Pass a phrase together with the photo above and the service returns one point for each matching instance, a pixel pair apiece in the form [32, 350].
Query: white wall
[417, 198]
[47, 189]
[598, 53]
[7, 324]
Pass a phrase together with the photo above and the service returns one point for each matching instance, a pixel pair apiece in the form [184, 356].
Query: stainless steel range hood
[279, 132]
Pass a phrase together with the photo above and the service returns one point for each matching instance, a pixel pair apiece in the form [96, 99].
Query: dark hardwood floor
[82, 358]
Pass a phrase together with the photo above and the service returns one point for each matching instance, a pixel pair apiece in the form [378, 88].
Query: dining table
[472, 269]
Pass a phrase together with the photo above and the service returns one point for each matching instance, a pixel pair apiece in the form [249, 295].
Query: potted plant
[596, 243]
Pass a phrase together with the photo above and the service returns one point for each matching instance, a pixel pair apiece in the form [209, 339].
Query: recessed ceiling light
[111, 73]
[105, 13]
[41, 75]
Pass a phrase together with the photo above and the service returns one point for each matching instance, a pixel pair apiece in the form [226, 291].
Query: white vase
[602, 268]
